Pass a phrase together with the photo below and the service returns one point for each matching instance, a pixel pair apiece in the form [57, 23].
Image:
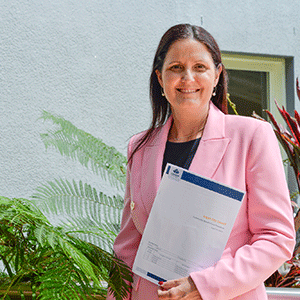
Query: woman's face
[188, 75]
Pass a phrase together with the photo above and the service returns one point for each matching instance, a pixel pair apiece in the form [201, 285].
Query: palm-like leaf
[87, 149]
[290, 140]
[74, 260]
[96, 214]
[58, 263]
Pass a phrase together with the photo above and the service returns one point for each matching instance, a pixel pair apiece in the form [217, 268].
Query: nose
[188, 75]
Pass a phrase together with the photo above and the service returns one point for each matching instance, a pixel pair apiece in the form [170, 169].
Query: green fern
[97, 214]
[56, 262]
[90, 151]
[74, 260]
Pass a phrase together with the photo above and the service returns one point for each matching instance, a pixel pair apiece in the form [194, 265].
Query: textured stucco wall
[89, 61]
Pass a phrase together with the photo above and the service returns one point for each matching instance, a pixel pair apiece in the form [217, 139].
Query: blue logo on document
[175, 173]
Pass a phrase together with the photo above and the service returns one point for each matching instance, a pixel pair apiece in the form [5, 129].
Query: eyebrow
[176, 61]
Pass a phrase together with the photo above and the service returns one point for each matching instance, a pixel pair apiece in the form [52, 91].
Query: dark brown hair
[160, 106]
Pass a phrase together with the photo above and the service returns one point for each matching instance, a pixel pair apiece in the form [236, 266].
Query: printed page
[188, 227]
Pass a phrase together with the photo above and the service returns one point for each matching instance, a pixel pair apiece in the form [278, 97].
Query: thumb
[170, 284]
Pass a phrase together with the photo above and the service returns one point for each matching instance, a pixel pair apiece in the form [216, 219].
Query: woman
[190, 128]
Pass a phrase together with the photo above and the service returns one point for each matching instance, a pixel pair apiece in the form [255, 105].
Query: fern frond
[90, 151]
[95, 234]
[119, 273]
[38, 252]
[87, 264]
[20, 211]
[59, 241]
[84, 207]
[59, 282]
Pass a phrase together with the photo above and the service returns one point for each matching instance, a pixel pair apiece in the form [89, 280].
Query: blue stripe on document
[155, 277]
[213, 186]
[168, 169]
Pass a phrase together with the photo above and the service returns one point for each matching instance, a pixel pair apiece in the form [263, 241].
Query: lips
[188, 91]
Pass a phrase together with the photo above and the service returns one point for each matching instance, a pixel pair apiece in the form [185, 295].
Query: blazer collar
[214, 128]
[215, 125]
[212, 146]
[211, 150]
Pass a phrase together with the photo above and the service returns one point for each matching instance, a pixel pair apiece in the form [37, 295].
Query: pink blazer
[241, 152]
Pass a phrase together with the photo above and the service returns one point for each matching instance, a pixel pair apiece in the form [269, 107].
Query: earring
[162, 92]
[214, 91]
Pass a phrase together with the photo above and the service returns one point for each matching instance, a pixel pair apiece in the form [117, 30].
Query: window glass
[248, 91]
[272, 73]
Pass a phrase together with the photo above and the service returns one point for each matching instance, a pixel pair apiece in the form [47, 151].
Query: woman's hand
[183, 288]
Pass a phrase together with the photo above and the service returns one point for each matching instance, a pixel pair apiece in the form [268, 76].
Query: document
[188, 226]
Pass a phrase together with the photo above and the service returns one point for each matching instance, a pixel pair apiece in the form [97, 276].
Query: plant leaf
[90, 151]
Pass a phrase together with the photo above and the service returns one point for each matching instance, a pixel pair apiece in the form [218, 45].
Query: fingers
[167, 294]
[183, 288]
[169, 290]
[170, 284]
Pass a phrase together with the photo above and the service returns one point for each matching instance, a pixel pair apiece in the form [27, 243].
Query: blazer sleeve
[128, 239]
[270, 222]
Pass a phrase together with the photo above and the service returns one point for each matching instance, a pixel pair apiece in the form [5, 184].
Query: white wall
[90, 62]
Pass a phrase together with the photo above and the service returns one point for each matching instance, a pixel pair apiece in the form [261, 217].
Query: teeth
[187, 91]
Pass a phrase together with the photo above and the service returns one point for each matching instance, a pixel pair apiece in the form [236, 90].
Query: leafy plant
[90, 151]
[289, 138]
[289, 274]
[55, 263]
[75, 259]
[92, 209]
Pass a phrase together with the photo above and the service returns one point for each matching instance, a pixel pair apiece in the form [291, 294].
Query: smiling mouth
[186, 91]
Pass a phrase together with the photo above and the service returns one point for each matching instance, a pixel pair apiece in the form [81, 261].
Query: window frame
[275, 68]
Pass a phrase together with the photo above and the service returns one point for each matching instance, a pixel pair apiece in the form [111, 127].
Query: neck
[187, 126]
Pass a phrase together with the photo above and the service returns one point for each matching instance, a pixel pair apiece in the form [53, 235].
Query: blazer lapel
[210, 152]
[212, 146]
[152, 165]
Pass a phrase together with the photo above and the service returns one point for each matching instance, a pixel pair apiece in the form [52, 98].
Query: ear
[219, 70]
[159, 77]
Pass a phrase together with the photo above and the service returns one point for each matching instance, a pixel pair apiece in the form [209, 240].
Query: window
[248, 91]
[254, 83]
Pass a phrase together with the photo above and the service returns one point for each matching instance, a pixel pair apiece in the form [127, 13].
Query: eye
[176, 68]
[200, 67]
